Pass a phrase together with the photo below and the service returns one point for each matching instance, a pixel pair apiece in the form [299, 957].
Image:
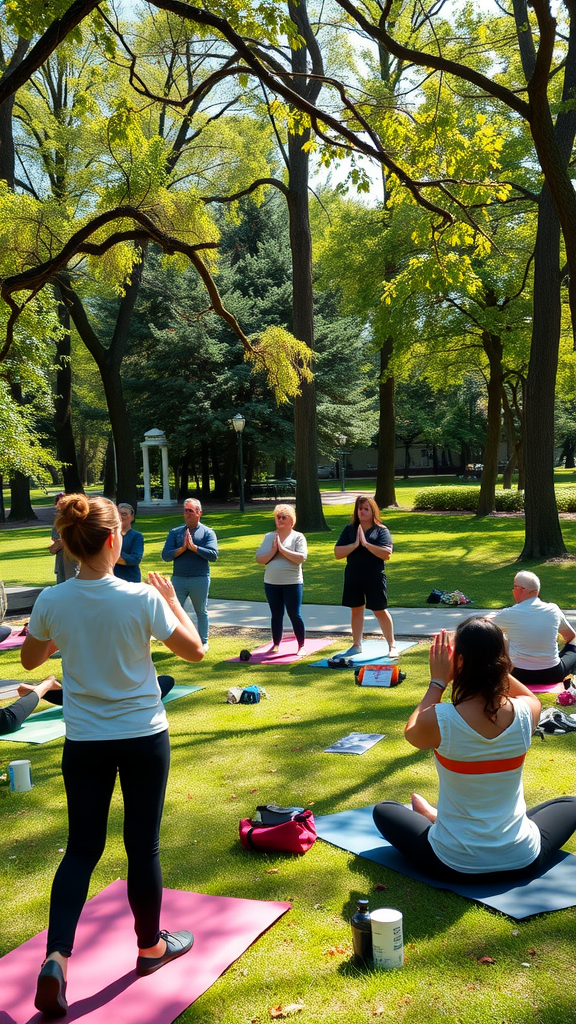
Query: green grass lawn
[225, 760]
[445, 551]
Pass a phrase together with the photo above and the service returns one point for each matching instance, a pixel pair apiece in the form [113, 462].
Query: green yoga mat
[49, 725]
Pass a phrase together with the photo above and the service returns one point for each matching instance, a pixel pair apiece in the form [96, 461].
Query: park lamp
[238, 422]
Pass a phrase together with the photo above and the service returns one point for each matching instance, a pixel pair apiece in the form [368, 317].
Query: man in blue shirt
[192, 547]
[128, 565]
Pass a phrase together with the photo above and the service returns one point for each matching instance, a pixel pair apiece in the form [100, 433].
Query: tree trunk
[109, 362]
[308, 500]
[487, 499]
[20, 505]
[109, 474]
[205, 462]
[543, 533]
[65, 447]
[385, 492]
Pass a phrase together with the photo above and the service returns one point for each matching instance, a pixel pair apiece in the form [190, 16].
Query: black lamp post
[342, 441]
[238, 422]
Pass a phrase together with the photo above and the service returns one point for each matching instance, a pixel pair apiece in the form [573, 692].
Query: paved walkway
[324, 618]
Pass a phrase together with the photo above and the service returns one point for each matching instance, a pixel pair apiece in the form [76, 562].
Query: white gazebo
[155, 439]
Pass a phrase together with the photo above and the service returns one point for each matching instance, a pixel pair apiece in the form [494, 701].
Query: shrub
[465, 499]
[566, 499]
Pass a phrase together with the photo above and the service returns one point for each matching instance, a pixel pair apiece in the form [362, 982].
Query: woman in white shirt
[481, 826]
[282, 552]
[115, 724]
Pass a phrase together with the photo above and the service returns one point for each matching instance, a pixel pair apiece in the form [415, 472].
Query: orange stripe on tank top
[505, 764]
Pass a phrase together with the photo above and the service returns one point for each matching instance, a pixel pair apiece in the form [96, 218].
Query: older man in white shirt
[532, 627]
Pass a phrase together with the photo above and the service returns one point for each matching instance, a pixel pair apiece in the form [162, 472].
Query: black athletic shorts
[369, 590]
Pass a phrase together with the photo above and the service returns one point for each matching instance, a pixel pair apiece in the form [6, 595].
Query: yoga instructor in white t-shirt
[115, 724]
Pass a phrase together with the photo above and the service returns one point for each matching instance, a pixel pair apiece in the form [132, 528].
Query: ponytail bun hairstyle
[84, 524]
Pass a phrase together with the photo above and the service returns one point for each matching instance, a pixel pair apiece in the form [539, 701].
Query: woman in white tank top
[481, 826]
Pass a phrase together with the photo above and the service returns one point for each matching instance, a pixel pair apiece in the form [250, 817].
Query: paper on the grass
[355, 743]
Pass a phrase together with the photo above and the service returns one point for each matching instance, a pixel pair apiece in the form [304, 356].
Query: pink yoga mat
[103, 987]
[287, 653]
[547, 688]
[14, 640]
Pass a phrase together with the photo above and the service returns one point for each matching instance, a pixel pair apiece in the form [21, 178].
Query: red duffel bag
[295, 836]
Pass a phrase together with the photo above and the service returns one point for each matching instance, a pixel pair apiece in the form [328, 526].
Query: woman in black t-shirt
[366, 544]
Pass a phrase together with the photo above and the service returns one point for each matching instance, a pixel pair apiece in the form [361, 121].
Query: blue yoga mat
[49, 725]
[553, 889]
[373, 652]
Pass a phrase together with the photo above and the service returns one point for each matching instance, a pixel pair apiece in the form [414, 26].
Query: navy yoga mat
[553, 889]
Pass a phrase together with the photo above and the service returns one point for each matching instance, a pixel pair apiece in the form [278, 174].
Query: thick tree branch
[33, 279]
[45, 46]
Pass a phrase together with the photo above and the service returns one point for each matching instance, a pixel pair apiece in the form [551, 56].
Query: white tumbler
[20, 780]
[387, 940]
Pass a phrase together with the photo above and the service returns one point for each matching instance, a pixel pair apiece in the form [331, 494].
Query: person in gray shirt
[282, 552]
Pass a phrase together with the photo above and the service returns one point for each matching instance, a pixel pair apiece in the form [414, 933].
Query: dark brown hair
[363, 499]
[485, 664]
[84, 524]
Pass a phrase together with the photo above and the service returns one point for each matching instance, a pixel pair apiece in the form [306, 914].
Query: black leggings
[89, 769]
[555, 674]
[407, 831]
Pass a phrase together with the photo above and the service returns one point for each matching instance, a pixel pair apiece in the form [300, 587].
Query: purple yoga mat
[103, 987]
[287, 653]
[547, 688]
[16, 639]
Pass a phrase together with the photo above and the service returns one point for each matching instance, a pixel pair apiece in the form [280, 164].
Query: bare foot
[421, 806]
[154, 951]
[274, 649]
[61, 960]
[393, 651]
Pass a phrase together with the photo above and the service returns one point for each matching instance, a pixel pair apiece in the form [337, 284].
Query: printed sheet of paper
[355, 743]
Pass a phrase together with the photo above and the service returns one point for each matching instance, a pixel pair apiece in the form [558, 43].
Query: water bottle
[362, 934]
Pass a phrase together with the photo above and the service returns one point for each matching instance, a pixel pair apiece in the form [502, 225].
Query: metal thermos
[362, 934]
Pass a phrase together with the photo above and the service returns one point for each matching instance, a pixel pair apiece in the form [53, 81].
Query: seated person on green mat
[479, 738]
[49, 689]
[11, 718]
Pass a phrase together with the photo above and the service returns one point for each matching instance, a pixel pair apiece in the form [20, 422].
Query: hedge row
[465, 499]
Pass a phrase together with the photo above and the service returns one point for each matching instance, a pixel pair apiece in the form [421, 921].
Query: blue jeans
[287, 597]
[196, 588]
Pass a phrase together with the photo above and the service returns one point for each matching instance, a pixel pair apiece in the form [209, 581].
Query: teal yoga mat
[552, 889]
[49, 725]
[374, 652]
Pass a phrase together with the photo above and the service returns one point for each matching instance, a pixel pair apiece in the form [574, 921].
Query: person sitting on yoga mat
[115, 724]
[480, 738]
[532, 627]
[11, 718]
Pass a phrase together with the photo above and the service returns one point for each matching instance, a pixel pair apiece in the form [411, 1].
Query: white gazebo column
[165, 474]
[146, 468]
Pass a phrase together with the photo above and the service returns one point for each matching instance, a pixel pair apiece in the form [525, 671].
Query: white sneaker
[206, 647]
